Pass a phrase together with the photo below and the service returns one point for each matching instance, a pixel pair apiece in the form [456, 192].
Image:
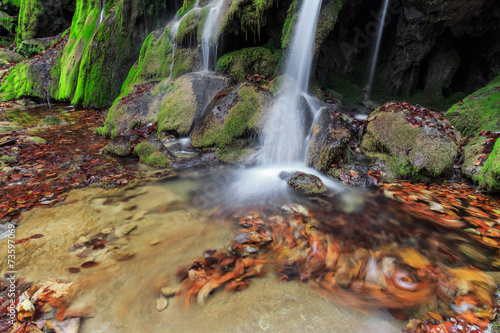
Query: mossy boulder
[304, 182]
[32, 47]
[489, 176]
[118, 147]
[236, 114]
[185, 99]
[479, 161]
[51, 121]
[9, 56]
[412, 141]
[329, 138]
[153, 153]
[480, 111]
[252, 60]
[188, 28]
[33, 139]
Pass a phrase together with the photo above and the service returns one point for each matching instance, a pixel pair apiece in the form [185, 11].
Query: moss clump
[9, 23]
[34, 139]
[407, 151]
[480, 111]
[252, 60]
[188, 28]
[185, 61]
[9, 159]
[249, 13]
[489, 176]
[51, 121]
[20, 82]
[187, 5]
[150, 155]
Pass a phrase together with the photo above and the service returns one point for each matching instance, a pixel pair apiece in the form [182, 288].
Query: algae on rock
[252, 60]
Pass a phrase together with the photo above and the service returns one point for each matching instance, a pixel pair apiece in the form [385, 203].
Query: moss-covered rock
[412, 141]
[188, 28]
[10, 56]
[32, 47]
[304, 182]
[153, 153]
[237, 113]
[9, 159]
[33, 139]
[480, 111]
[480, 160]
[185, 100]
[329, 138]
[118, 147]
[327, 20]
[489, 176]
[252, 60]
[51, 121]
[30, 16]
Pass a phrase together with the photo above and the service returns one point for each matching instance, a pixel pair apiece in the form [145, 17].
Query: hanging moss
[252, 60]
[29, 13]
[249, 13]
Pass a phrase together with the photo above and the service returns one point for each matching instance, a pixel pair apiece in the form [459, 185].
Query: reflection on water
[30, 116]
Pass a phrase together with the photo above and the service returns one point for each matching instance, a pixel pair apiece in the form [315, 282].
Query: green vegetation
[489, 176]
[248, 13]
[188, 28]
[326, 20]
[187, 5]
[243, 116]
[150, 155]
[29, 13]
[20, 82]
[480, 111]
[286, 34]
[253, 60]
[9, 159]
[51, 121]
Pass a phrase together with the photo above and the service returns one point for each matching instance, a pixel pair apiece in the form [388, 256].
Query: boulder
[236, 113]
[152, 152]
[304, 182]
[8, 56]
[329, 138]
[119, 146]
[411, 140]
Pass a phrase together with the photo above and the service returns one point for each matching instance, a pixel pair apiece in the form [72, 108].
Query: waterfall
[376, 49]
[103, 7]
[284, 133]
[210, 35]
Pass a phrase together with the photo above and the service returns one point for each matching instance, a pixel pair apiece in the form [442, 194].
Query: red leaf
[36, 236]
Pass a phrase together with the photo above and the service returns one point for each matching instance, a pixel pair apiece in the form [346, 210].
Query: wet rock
[161, 304]
[330, 137]
[303, 182]
[232, 123]
[411, 141]
[119, 147]
[152, 152]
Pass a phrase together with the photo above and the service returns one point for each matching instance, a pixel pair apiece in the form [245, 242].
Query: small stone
[82, 240]
[154, 242]
[121, 255]
[106, 231]
[169, 291]
[161, 304]
[125, 230]
[139, 215]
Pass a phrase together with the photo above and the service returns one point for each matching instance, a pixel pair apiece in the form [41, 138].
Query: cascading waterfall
[210, 35]
[376, 49]
[103, 7]
[284, 132]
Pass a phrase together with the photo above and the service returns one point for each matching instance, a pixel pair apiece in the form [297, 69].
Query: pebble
[125, 230]
[161, 304]
[154, 242]
[82, 240]
[139, 215]
[106, 231]
[169, 291]
[121, 255]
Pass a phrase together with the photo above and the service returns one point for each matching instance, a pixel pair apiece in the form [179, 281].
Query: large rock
[237, 113]
[412, 141]
[329, 138]
[175, 104]
[304, 182]
[480, 111]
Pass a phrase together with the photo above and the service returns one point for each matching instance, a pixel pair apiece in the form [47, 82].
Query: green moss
[287, 32]
[253, 60]
[188, 28]
[177, 108]
[9, 159]
[187, 5]
[151, 156]
[203, 18]
[34, 139]
[326, 20]
[489, 176]
[29, 13]
[9, 23]
[406, 150]
[248, 13]
[19, 83]
[480, 111]
[51, 121]
[241, 117]
[185, 61]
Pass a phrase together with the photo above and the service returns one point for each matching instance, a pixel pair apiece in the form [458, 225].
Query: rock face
[330, 136]
[304, 182]
[412, 141]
